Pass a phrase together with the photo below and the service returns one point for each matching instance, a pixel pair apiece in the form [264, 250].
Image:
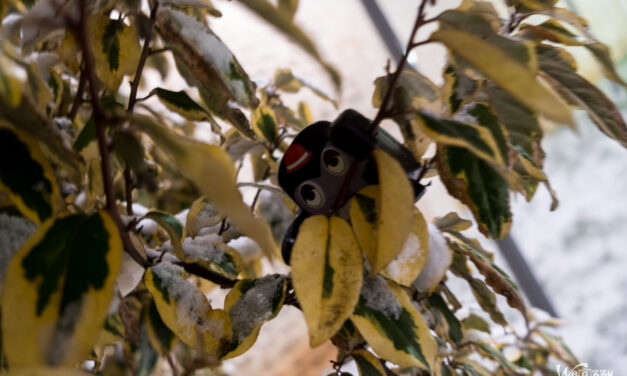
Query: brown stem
[128, 190]
[420, 20]
[103, 147]
[76, 104]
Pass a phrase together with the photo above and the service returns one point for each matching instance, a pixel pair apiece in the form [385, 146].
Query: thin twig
[159, 50]
[76, 104]
[103, 147]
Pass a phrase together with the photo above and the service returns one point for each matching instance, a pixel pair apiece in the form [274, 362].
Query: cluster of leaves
[82, 158]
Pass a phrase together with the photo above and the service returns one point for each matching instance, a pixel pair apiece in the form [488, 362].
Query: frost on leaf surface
[377, 296]
[437, 263]
[14, 231]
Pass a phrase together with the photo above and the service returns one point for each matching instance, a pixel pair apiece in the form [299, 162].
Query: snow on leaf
[173, 227]
[437, 263]
[250, 303]
[200, 215]
[186, 311]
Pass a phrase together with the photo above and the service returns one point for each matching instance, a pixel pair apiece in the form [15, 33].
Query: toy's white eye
[311, 194]
[333, 161]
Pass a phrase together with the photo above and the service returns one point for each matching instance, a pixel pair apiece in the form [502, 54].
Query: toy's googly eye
[333, 161]
[311, 194]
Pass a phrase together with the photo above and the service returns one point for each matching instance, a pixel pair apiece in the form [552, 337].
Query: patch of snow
[379, 297]
[246, 247]
[402, 264]
[437, 263]
[254, 306]
[14, 231]
[274, 211]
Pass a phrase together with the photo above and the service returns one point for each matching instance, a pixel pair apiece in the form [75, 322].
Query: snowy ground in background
[579, 252]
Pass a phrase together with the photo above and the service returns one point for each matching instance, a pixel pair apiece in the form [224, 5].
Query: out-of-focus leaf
[531, 5]
[26, 175]
[490, 352]
[86, 136]
[148, 356]
[599, 107]
[38, 26]
[475, 322]
[265, 124]
[207, 63]
[60, 293]
[458, 88]
[511, 64]
[602, 53]
[288, 6]
[115, 47]
[201, 214]
[472, 368]
[452, 222]
[283, 20]
[250, 303]
[173, 227]
[186, 311]
[444, 317]
[559, 348]
[392, 325]
[287, 81]
[182, 104]
[368, 364]
[159, 334]
[476, 184]
[202, 4]
[327, 271]
[205, 165]
[406, 266]
[10, 84]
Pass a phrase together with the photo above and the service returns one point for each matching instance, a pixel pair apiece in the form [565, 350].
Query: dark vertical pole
[509, 249]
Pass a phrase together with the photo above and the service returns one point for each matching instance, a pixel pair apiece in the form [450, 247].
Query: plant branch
[76, 104]
[103, 147]
[420, 20]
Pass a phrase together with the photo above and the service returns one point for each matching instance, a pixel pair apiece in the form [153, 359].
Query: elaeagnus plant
[117, 221]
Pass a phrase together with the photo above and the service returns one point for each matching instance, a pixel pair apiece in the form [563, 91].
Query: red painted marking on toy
[296, 157]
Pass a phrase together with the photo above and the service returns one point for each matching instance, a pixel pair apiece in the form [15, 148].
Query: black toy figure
[315, 165]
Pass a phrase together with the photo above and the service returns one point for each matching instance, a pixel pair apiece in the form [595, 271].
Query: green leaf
[148, 357]
[10, 84]
[115, 48]
[327, 273]
[440, 310]
[86, 136]
[207, 63]
[475, 322]
[160, 336]
[181, 103]
[186, 310]
[288, 6]
[173, 227]
[265, 124]
[200, 215]
[452, 222]
[510, 63]
[490, 352]
[250, 303]
[599, 107]
[472, 368]
[26, 175]
[59, 292]
[392, 326]
[458, 87]
[288, 82]
[283, 20]
[487, 300]
[205, 164]
[368, 364]
[531, 5]
[475, 183]
[559, 348]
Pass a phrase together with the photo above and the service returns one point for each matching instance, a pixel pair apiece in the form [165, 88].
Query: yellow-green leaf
[490, 352]
[61, 284]
[205, 165]
[10, 85]
[160, 336]
[250, 303]
[472, 368]
[186, 310]
[392, 326]
[413, 257]
[264, 123]
[173, 227]
[327, 274]
[452, 222]
[115, 47]
[287, 81]
[200, 215]
[601, 110]
[446, 322]
[182, 104]
[283, 20]
[368, 364]
[531, 5]
[207, 63]
[511, 64]
[213, 254]
[26, 175]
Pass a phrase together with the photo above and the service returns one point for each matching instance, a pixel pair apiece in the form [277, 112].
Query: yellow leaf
[413, 257]
[186, 311]
[368, 364]
[59, 293]
[508, 72]
[386, 317]
[201, 214]
[212, 170]
[115, 47]
[327, 274]
[383, 217]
